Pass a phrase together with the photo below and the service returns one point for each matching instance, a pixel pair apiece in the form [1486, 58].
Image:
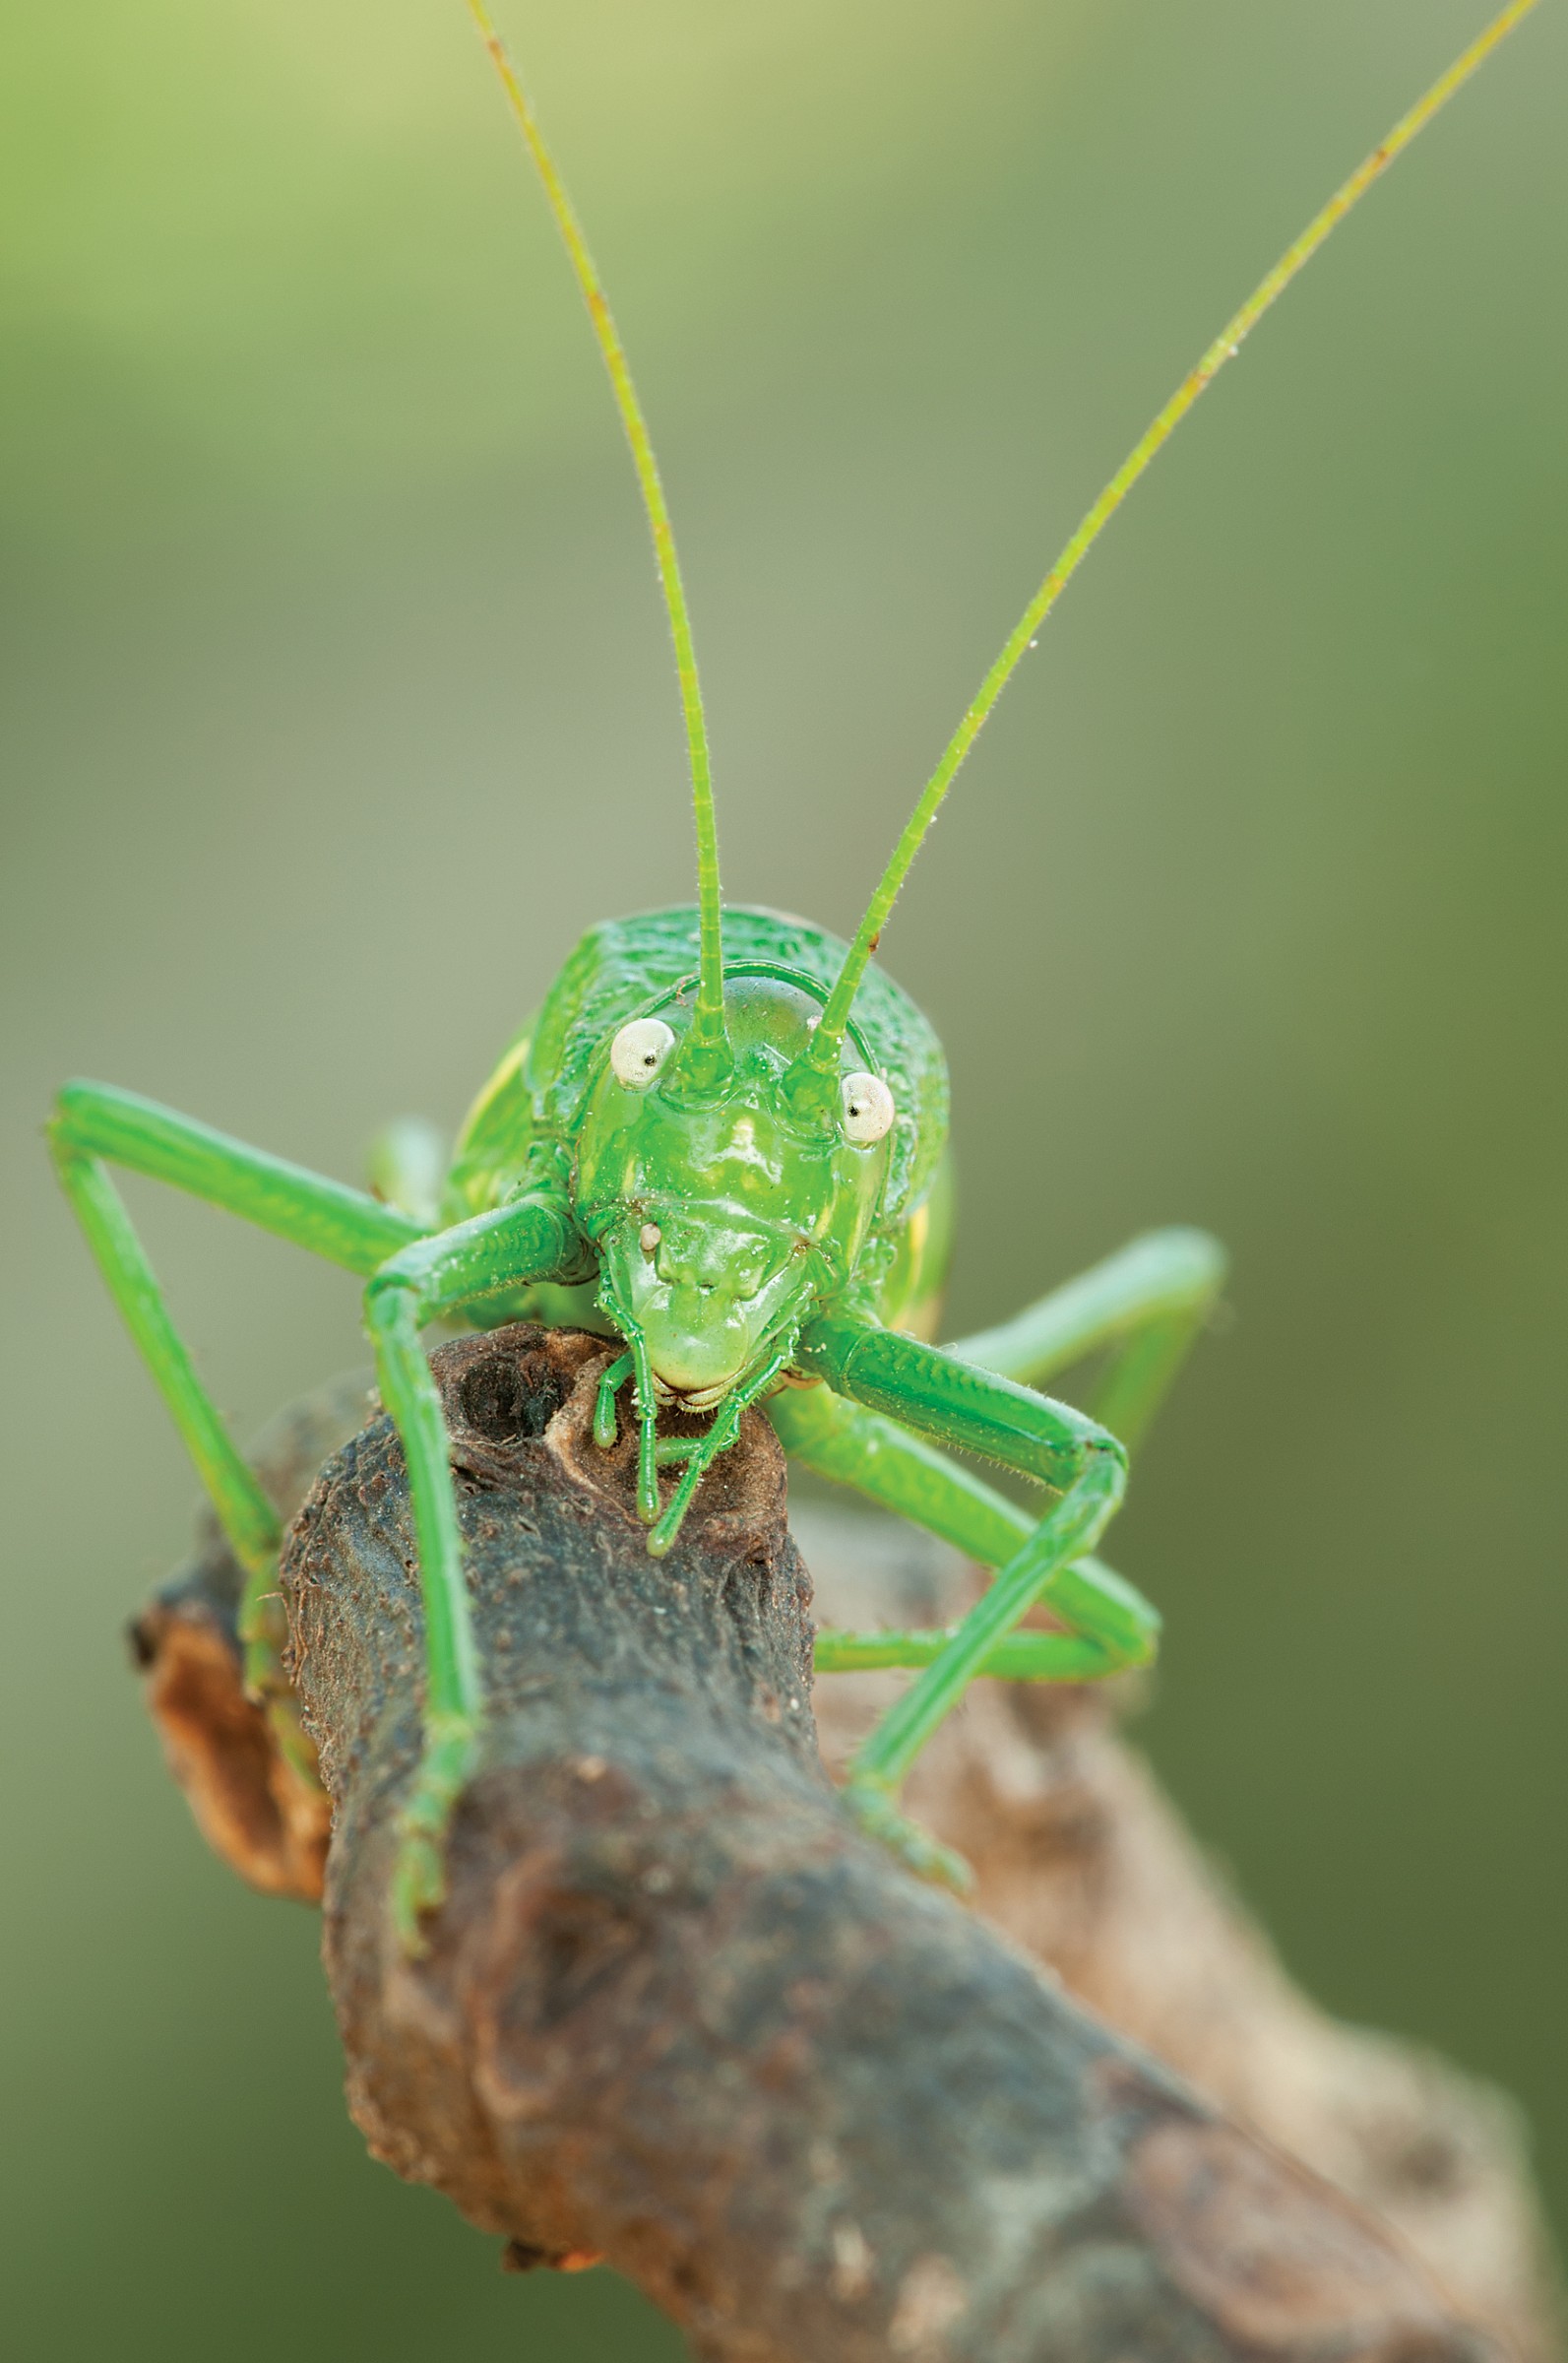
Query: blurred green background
[335, 702]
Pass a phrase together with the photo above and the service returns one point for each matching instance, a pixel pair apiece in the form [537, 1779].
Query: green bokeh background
[336, 701]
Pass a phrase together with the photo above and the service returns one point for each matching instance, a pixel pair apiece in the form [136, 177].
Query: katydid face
[723, 1214]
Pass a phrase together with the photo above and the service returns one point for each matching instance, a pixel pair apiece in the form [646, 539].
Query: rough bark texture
[1081, 1859]
[676, 2012]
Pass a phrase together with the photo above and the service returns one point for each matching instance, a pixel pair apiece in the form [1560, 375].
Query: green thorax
[879, 1220]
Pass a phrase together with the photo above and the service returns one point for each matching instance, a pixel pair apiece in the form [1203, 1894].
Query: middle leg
[96, 1125]
[1143, 1307]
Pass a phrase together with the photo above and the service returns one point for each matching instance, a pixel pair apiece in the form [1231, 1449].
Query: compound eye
[639, 1050]
[868, 1109]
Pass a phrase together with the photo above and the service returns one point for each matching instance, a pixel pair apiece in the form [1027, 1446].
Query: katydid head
[725, 1204]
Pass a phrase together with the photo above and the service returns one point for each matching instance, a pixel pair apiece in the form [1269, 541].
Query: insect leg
[310, 1211]
[646, 1430]
[1113, 1627]
[533, 1238]
[1021, 1657]
[720, 1436]
[92, 1126]
[1144, 1306]
[615, 1377]
[960, 1405]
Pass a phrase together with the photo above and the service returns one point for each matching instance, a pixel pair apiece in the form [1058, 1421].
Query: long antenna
[709, 1021]
[823, 1055]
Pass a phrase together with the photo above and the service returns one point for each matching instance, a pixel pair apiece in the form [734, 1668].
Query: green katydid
[721, 1142]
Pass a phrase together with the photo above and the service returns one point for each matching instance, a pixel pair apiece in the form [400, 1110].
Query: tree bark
[676, 2012]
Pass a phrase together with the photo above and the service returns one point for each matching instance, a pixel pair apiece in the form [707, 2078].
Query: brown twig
[676, 2012]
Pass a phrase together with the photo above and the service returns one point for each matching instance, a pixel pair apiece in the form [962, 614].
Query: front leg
[924, 1388]
[533, 1240]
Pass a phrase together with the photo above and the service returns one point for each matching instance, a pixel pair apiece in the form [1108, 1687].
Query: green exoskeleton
[721, 1142]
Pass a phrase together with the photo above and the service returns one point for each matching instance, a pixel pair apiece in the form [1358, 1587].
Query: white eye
[867, 1109]
[639, 1050]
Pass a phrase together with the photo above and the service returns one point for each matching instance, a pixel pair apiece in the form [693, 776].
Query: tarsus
[824, 1050]
[708, 1022]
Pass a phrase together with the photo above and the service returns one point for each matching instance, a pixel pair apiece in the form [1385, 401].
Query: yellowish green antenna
[708, 1022]
[824, 1052]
